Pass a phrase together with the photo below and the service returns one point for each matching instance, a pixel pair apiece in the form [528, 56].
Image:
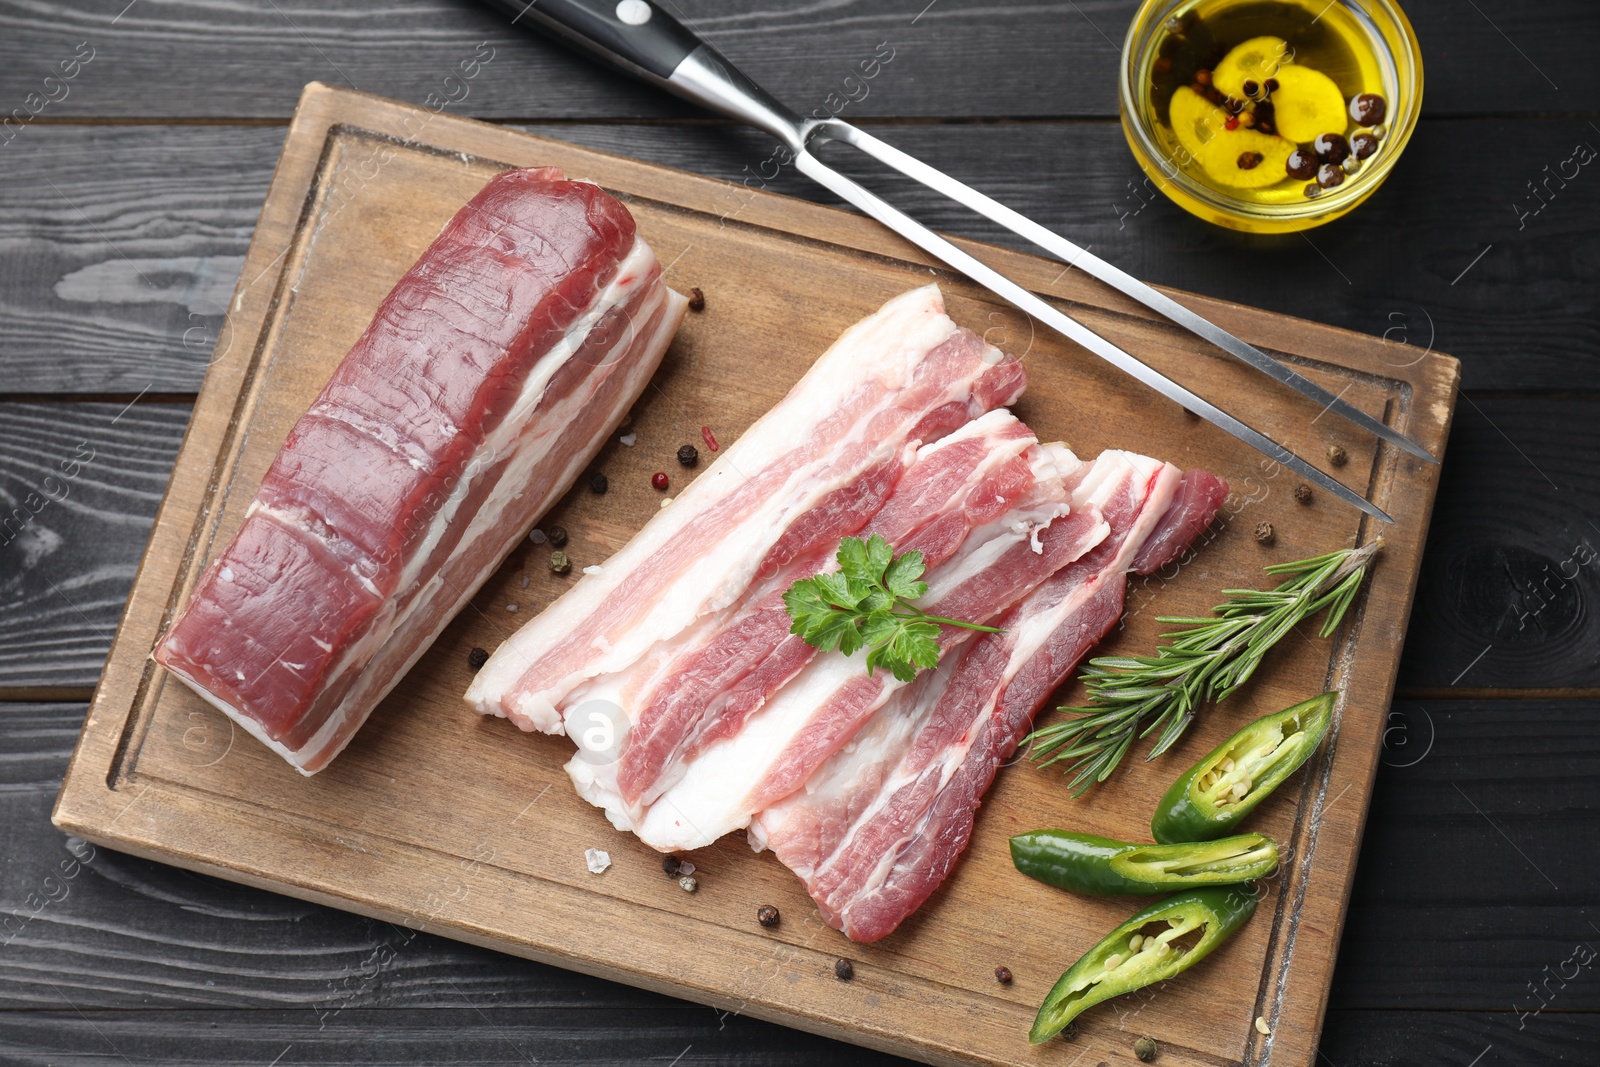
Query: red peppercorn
[1232, 123]
[659, 479]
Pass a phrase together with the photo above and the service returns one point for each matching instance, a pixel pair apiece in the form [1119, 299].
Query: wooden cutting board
[462, 826]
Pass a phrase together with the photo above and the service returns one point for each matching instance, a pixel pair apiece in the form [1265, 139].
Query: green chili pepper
[1213, 795]
[1102, 867]
[1161, 941]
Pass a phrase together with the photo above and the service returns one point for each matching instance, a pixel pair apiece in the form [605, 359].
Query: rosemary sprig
[1132, 696]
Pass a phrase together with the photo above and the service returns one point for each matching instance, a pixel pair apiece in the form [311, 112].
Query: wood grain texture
[168, 787]
[119, 246]
[952, 59]
[79, 485]
[1512, 580]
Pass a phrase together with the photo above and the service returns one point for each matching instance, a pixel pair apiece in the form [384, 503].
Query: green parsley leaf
[855, 606]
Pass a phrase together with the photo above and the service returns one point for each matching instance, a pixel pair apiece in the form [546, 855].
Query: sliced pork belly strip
[877, 830]
[816, 713]
[487, 378]
[700, 687]
[814, 468]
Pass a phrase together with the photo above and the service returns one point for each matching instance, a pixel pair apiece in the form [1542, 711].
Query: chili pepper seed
[1262, 1027]
[477, 658]
[767, 916]
[843, 970]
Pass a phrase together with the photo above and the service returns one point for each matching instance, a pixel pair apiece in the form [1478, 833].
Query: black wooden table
[126, 203]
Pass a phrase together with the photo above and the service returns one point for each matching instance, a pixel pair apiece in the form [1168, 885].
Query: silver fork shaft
[1008, 290]
[1080, 258]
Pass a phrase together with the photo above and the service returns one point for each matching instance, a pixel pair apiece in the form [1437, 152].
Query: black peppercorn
[1331, 147]
[767, 916]
[843, 970]
[477, 658]
[1251, 88]
[1368, 109]
[556, 535]
[598, 483]
[1302, 493]
[697, 300]
[1271, 84]
[671, 865]
[1002, 975]
[1301, 164]
[1249, 160]
[688, 455]
[1264, 533]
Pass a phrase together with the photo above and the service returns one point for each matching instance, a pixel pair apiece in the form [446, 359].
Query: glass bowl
[1399, 68]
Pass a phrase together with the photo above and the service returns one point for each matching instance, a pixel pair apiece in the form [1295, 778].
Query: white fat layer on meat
[894, 727]
[596, 779]
[714, 797]
[881, 352]
[529, 444]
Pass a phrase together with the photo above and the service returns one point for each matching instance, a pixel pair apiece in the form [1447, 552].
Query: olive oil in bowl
[1269, 115]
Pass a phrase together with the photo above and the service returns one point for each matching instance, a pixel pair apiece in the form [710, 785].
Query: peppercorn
[1251, 88]
[697, 300]
[1145, 1049]
[688, 884]
[560, 563]
[1271, 85]
[688, 455]
[1368, 109]
[1249, 160]
[1264, 534]
[1002, 975]
[843, 970]
[1331, 147]
[557, 536]
[1301, 164]
[1363, 145]
[477, 658]
[767, 916]
[671, 865]
[1337, 455]
[658, 480]
[1313, 191]
[1330, 175]
[1203, 76]
[598, 482]
[1302, 493]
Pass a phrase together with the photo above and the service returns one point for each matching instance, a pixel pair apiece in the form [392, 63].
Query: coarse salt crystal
[685, 867]
[598, 859]
[592, 569]
[629, 439]
[511, 608]
[537, 537]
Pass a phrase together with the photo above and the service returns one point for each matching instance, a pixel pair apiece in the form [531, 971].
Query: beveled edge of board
[165, 824]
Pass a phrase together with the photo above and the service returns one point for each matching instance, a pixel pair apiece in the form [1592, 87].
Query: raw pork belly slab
[813, 469]
[876, 829]
[821, 709]
[700, 687]
[486, 381]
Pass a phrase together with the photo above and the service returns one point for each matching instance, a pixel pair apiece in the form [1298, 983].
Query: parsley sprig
[866, 603]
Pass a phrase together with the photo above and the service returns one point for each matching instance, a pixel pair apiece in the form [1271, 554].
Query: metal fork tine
[1073, 255]
[1009, 290]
